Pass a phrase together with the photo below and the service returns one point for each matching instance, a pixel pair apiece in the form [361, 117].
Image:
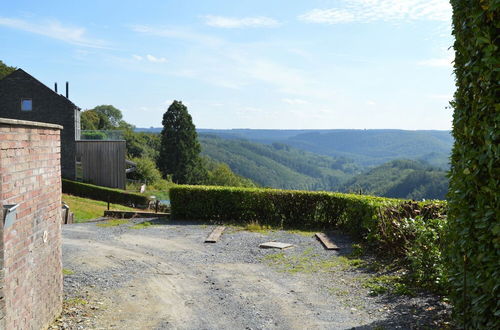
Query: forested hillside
[367, 148]
[278, 165]
[403, 179]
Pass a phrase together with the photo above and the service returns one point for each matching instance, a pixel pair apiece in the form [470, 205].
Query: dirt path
[165, 277]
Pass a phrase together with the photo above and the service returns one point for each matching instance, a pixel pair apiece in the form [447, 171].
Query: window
[26, 105]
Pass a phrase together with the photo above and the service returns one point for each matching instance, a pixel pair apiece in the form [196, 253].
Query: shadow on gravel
[408, 315]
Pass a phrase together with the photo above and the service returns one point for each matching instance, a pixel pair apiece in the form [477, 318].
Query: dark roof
[21, 74]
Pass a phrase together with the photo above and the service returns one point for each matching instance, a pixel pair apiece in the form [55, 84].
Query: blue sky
[244, 64]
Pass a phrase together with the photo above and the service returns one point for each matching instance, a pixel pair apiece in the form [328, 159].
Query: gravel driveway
[164, 277]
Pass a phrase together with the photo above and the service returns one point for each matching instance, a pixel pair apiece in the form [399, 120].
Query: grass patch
[309, 262]
[76, 301]
[338, 292]
[253, 227]
[142, 225]
[305, 233]
[66, 271]
[112, 223]
[87, 209]
[387, 284]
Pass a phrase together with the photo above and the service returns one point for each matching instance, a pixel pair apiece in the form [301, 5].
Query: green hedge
[281, 208]
[474, 203]
[111, 195]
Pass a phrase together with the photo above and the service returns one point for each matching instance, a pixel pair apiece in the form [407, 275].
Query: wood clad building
[102, 162]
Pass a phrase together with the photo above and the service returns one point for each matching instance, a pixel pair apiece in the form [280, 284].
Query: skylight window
[26, 105]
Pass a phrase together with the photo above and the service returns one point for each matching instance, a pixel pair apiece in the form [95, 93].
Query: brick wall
[30, 175]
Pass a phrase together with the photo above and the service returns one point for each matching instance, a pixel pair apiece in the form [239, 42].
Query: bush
[111, 195]
[145, 171]
[283, 208]
[425, 257]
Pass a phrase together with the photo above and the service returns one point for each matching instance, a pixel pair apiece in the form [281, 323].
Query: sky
[275, 64]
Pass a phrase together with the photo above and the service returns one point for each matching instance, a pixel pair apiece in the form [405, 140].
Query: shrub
[111, 195]
[145, 171]
[425, 257]
[282, 208]
[474, 258]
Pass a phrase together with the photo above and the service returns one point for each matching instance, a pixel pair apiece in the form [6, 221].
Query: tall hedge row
[474, 203]
[284, 208]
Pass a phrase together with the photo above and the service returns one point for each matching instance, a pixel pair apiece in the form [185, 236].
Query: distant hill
[367, 148]
[279, 165]
[401, 179]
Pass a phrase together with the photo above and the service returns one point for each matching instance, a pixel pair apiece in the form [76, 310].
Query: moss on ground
[142, 225]
[76, 301]
[309, 262]
[112, 223]
[382, 284]
[66, 271]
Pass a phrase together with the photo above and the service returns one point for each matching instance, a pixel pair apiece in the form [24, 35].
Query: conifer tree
[180, 149]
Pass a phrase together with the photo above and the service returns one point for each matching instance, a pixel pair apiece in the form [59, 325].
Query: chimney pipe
[55, 87]
[67, 89]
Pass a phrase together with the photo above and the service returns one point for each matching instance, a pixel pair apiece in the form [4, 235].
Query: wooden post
[156, 206]
[108, 202]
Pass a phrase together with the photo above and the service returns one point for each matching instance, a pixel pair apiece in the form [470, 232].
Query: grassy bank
[87, 209]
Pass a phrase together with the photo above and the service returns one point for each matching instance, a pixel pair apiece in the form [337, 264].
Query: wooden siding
[103, 162]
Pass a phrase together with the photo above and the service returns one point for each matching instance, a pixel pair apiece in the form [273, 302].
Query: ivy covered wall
[474, 203]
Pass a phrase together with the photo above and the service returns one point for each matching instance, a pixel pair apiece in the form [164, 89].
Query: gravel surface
[164, 277]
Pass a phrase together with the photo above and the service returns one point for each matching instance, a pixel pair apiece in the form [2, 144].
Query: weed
[76, 301]
[142, 225]
[112, 223]
[357, 251]
[305, 233]
[309, 262]
[387, 284]
[255, 227]
[338, 292]
[66, 271]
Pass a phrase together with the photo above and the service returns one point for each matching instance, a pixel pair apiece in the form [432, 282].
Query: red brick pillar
[30, 242]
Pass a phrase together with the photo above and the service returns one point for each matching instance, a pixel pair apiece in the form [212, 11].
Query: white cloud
[371, 103]
[55, 30]
[364, 11]
[295, 101]
[232, 22]
[149, 58]
[236, 66]
[176, 33]
[154, 59]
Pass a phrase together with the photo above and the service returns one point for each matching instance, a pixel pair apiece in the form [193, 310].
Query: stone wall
[31, 272]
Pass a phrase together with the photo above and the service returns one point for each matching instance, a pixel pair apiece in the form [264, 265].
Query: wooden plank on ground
[327, 243]
[275, 245]
[215, 234]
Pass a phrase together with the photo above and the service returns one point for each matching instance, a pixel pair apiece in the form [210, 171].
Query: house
[23, 97]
